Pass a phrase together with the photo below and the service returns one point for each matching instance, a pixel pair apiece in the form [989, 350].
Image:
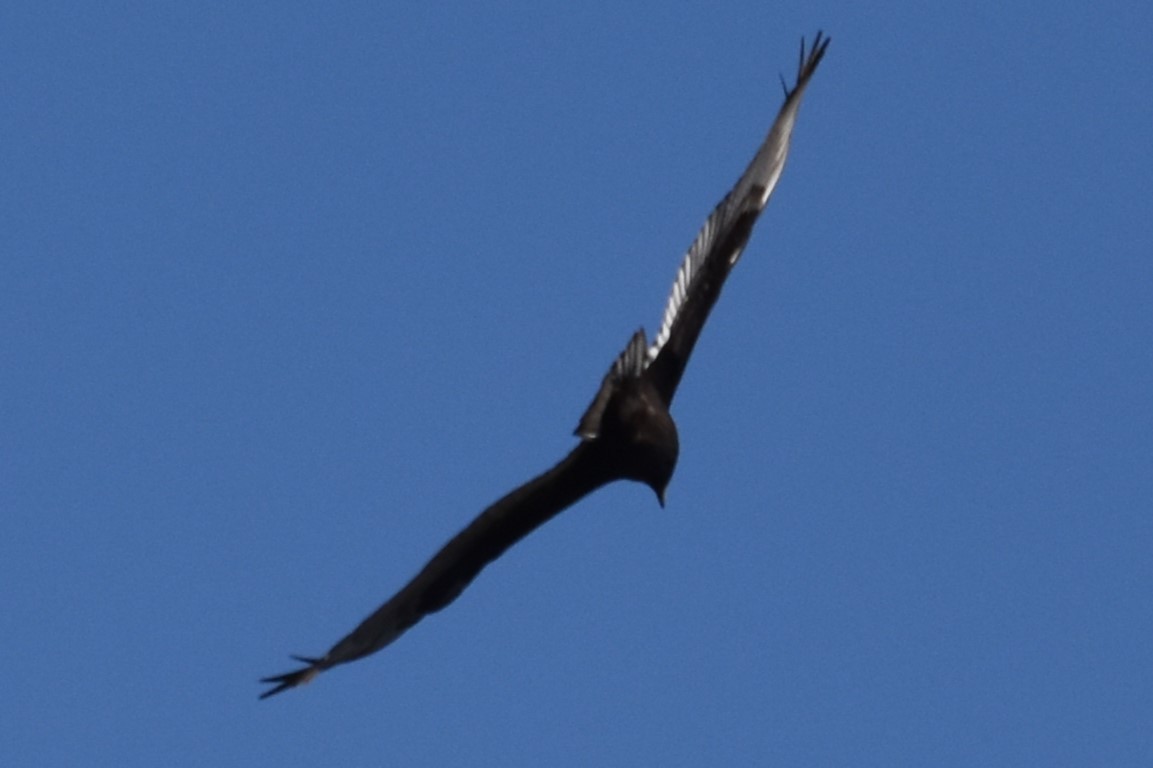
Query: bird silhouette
[627, 432]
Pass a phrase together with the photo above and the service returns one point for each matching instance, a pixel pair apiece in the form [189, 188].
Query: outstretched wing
[460, 560]
[723, 237]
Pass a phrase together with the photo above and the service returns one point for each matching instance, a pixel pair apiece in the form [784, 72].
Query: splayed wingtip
[292, 679]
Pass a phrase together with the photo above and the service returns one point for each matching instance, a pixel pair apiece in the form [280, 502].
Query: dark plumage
[627, 432]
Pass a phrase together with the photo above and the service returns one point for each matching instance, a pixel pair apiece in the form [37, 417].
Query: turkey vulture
[626, 433]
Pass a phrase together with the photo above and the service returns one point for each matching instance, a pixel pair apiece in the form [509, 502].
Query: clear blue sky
[289, 292]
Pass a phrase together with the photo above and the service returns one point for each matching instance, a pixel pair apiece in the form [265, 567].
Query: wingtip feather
[292, 679]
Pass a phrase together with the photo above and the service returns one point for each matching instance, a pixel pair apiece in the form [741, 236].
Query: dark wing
[722, 239]
[629, 364]
[459, 561]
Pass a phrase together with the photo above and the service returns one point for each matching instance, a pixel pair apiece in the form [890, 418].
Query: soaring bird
[627, 432]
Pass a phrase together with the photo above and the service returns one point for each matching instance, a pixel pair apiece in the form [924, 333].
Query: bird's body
[626, 433]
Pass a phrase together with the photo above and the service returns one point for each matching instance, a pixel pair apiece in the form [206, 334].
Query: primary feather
[722, 239]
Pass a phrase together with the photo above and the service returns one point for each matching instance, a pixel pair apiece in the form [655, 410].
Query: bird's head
[661, 462]
[644, 436]
[660, 492]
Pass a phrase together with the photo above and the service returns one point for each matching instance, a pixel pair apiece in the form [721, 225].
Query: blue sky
[289, 292]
